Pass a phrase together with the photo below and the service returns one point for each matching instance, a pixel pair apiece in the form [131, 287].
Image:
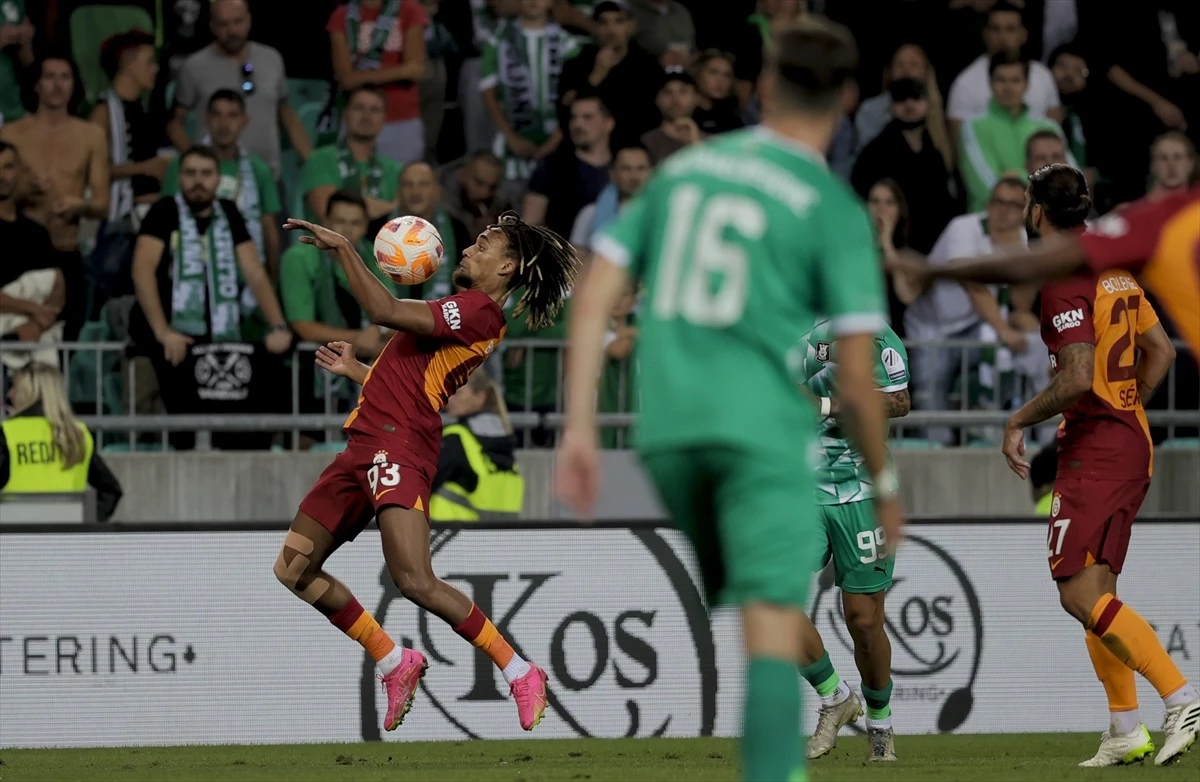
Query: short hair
[1042, 135]
[345, 197]
[200, 150]
[485, 155]
[226, 94]
[631, 146]
[404, 169]
[1004, 59]
[1175, 135]
[1062, 193]
[115, 47]
[1006, 7]
[1008, 181]
[708, 55]
[815, 60]
[592, 95]
[367, 88]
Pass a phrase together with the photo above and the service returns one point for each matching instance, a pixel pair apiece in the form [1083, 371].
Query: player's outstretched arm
[1051, 258]
[1076, 367]
[338, 358]
[896, 404]
[1157, 356]
[380, 306]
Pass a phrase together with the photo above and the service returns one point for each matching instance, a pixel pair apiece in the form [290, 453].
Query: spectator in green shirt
[534, 387]
[314, 290]
[246, 179]
[354, 164]
[16, 53]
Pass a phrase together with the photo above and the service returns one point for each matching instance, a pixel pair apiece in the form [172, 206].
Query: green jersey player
[741, 243]
[852, 537]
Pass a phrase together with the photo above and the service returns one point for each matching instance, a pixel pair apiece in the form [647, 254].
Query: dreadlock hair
[546, 268]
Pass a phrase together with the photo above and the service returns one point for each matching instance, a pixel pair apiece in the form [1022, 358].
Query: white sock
[391, 661]
[883, 724]
[516, 668]
[1122, 723]
[837, 696]
[1181, 697]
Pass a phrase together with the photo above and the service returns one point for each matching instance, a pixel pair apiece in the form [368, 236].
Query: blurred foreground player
[850, 536]
[1158, 240]
[395, 439]
[1109, 353]
[741, 244]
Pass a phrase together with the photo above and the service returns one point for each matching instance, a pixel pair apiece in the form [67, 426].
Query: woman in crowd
[889, 213]
[44, 449]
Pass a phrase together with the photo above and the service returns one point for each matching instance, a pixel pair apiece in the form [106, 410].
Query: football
[409, 250]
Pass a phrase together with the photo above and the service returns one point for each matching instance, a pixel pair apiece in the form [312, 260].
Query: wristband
[886, 485]
[826, 406]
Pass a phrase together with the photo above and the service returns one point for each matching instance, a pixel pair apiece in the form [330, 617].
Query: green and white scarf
[370, 58]
[531, 88]
[369, 184]
[206, 271]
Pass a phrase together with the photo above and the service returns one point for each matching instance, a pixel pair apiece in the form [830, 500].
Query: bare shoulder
[88, 132]
[16, 130]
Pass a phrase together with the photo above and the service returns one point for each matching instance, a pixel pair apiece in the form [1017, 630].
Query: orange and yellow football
[409, 250]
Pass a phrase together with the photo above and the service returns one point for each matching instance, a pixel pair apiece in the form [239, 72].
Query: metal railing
[535, 412]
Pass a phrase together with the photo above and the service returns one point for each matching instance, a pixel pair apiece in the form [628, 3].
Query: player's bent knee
[416, 586]
[296, 571]
[1076, 602]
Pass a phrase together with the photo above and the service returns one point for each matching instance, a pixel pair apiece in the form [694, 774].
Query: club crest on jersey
[823, 351]
[1055, 504]
[1068, 320]
[381, 457]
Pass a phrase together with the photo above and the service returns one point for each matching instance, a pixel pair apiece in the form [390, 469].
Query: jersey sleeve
[489, 67]
[1067, 309]
[1123, 240]
[891, 373]
[625, 239]
[467, 318]
[1147, 317]
[849, 273]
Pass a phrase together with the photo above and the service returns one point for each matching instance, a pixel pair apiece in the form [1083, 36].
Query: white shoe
[1133, 747]
[1181, 726]
[831, 719]
[881, 745]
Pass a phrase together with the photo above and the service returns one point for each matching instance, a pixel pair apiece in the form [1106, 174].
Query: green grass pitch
[1045, 758]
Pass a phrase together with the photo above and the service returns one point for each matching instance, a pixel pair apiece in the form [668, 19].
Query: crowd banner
[185, 637]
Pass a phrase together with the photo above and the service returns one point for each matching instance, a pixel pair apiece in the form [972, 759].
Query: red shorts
[361, 481]
[1091, 521]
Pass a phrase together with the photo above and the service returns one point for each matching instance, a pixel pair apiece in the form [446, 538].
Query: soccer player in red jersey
[1158, 240]
[395, 439]
[1109, 353]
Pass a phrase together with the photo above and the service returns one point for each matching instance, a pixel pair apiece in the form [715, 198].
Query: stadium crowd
[457, 110]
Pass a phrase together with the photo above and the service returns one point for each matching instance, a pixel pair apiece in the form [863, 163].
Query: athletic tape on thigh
[290, 573]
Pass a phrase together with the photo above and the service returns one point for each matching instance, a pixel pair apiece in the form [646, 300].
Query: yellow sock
[1132, 640]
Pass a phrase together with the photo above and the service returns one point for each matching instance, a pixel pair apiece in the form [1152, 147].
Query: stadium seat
[337, 446]
[81, 372]
[914, 444]
[1180, 444]
[90, 27]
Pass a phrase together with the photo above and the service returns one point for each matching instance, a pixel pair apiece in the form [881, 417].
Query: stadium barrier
[129, 635]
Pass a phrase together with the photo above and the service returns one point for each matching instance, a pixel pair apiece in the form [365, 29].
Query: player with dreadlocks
[395, 439]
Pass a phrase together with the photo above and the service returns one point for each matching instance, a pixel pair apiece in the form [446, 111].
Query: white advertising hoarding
[124, 638]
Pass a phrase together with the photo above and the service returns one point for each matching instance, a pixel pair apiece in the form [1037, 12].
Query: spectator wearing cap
[905, 152]
[676, 103]
[665, 30]
[716, 105]
[1004, 34]
[614, 68]
[993, 144]
[233, 61]
[909, 61]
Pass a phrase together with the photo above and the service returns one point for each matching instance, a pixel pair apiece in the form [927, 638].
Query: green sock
[878, 701]
[771, 742]
[821, 676]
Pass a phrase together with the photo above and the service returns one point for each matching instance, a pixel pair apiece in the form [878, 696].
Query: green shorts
[851, 536]
[748, 516]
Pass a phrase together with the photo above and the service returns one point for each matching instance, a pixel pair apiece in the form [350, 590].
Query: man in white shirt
[946, 312]
[971, 91]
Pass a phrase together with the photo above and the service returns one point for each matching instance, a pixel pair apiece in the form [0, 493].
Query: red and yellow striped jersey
[1105, 433]
[1160, 242]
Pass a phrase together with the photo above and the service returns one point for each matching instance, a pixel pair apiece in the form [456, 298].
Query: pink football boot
[530, 694]
[401, 687]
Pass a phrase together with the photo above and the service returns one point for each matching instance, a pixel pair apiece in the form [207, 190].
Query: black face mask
[909, 124]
